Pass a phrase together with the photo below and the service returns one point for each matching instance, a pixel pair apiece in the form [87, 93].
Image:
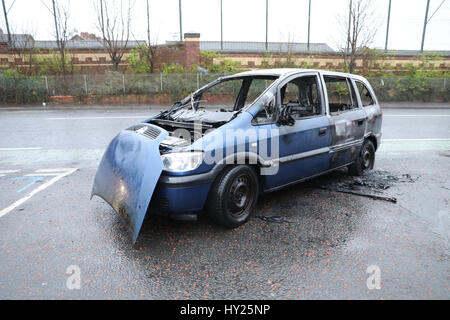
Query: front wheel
[233, 196]
[365, 160]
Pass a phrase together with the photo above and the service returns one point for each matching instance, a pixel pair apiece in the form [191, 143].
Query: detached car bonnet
[129, 171]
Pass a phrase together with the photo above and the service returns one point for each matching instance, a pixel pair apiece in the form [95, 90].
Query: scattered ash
[276, 219]
[373, 184]
[375, 181]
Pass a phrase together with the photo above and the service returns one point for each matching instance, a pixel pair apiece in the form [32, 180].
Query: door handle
[322, 131]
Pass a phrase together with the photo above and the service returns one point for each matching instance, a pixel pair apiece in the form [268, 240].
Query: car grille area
[146, 130]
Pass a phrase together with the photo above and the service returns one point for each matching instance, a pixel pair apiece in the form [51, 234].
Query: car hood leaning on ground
[129, 171]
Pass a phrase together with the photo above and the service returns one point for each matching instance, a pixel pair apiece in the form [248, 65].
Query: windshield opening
[230, 95]
[219, 101]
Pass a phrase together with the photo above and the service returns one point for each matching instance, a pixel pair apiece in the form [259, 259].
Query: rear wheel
[233, 196]
[365, 160]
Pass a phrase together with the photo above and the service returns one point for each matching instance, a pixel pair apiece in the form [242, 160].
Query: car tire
[233, 196]
[365, 160]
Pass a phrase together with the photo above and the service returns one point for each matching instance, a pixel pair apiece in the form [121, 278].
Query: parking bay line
[415, 139]
[8, 171]
[35, 191]
[53, 170]
[99, 118]
[33, 179]
[20, 149]
[5, 172]
[416, 115]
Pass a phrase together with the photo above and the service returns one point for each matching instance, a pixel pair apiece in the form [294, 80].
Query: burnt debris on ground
[277, 219]
[372, 185]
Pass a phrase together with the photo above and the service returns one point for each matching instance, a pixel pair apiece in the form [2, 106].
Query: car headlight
[182, 161]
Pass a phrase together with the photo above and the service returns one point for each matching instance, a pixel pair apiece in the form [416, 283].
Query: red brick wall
[192, 53]
[174, 54]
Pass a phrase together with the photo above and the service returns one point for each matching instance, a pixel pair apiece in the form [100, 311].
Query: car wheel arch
[373, 139]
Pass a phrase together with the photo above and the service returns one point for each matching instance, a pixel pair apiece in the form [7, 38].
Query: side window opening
[257, 86]
[267, 101]
[302, 96]
[266, 113]
[341, 94]
[364, 93]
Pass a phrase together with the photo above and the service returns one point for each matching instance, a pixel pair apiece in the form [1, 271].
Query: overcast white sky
[244, 20]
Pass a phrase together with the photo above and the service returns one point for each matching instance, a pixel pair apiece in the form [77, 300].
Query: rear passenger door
[347, 120]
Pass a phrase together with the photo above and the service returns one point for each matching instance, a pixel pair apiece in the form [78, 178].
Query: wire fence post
[198, 82]
[46, 84]
[85, 84]
[123, 83]
[445, 82]
[161, 82]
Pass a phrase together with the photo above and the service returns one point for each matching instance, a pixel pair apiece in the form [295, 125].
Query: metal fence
[39, 89]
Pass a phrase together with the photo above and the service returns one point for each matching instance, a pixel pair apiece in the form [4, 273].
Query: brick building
[253, 55]
[90, 57]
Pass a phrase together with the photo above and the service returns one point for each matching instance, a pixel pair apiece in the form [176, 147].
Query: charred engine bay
[181, 134]
[187, 125]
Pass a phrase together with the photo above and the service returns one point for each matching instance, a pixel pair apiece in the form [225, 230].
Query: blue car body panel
[180, 200]
[128, 174]
[303, 151]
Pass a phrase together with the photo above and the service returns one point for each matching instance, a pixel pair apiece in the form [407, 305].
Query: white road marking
[427, 139]
[2, 175]
[37, 174]
[20, 149]
[97, 118]
[53, 170]
[32, 193]
[9, 171]
[416, 115]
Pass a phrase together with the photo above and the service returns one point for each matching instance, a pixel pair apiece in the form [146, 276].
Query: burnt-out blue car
[240, 136]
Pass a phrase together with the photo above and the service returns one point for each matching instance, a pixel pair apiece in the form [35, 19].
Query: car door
[347, 120]
[304, 145]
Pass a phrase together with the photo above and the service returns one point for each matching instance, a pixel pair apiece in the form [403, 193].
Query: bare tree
[113, 21]
[360, 30]
[61, 18]
[24, 49]
[149, 51]
[5, 14]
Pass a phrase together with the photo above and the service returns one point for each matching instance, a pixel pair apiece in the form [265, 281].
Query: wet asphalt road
[321, 249]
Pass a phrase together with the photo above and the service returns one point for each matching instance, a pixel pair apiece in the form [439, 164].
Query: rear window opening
[341, 95]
